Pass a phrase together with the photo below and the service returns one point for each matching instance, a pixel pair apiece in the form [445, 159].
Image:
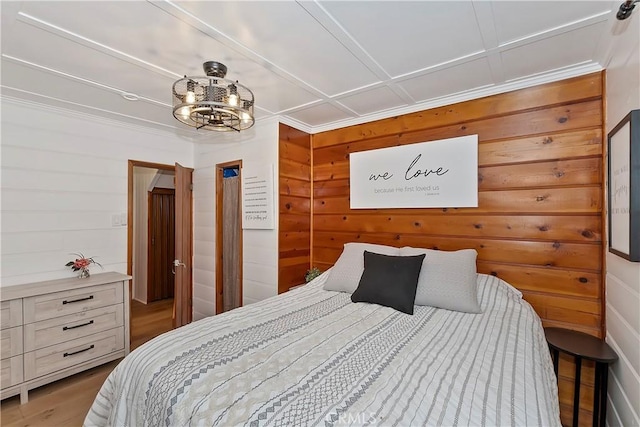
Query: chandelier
[213, 102]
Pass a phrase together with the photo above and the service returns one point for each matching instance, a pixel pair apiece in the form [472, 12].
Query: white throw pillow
[346, 272]
[447, 279]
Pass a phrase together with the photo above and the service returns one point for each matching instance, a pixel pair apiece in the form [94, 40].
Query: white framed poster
[619, 182]
[257, 197]
[623, 182]
[434, 174]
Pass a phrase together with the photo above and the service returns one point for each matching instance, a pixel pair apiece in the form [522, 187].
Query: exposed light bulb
[233, 100]
[185, 112]
[190, 98]
[245, 117]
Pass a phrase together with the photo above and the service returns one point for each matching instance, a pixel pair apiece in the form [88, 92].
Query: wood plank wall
[294, 237]
[539, 224]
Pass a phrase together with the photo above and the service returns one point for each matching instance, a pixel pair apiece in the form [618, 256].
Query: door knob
[176, 263]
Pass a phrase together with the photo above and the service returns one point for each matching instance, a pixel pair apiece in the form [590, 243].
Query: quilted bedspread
[313, 357]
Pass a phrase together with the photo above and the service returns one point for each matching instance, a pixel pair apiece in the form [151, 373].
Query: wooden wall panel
[539, 97]
[539, 253]
[545, 227]
[539, 224]
[294, 207]
[575, 199]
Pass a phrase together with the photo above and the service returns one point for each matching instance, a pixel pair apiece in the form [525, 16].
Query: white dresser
[57, 328]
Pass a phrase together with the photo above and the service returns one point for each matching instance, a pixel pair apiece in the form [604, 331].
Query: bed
[311, 356]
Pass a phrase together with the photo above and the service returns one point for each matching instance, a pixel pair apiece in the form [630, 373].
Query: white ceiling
[317, 65]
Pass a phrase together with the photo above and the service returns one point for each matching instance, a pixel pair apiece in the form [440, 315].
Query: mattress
[313, 357]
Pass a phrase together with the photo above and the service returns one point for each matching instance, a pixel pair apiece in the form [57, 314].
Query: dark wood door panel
[160, 279]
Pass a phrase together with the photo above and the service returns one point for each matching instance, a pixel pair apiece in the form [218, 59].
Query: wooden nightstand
[584, 346]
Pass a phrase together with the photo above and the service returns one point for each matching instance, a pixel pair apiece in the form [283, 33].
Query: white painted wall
[260, 247]
[63, 176]
[142, 180]
[164, 179]
[623, 277]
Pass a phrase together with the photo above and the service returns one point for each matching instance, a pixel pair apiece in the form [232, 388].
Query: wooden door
[183, 251]
[219, 232]
[161, 246]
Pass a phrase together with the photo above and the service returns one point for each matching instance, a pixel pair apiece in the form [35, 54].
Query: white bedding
[312, 357]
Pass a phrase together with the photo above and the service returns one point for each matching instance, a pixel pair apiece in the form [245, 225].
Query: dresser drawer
[57, 304]
[66, 355]
[12, 372]
[11, 313]
[65, 328]
[11, 342]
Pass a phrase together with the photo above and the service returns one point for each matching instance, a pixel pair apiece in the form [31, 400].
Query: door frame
[185, 304]
[220, 167]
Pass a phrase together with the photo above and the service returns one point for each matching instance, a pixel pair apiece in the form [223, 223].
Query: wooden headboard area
[539, 224]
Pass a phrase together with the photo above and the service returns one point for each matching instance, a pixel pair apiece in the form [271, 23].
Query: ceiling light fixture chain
[213, 102]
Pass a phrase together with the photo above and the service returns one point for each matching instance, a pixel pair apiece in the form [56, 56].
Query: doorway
[149, 283]
[228, 236]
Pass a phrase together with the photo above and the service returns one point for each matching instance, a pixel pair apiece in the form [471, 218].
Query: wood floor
[66, 402]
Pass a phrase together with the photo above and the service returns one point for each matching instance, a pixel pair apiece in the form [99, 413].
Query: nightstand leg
[596, 395]
[603, 395]
[576, 391]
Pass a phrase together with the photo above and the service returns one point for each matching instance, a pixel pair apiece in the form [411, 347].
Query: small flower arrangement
[312, 274]
[81, 264]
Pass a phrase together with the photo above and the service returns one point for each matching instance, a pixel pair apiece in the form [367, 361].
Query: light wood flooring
[66, 402]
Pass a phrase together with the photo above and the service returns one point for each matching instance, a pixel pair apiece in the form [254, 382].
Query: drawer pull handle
[77, 300]
[79, 351]
[66, 328]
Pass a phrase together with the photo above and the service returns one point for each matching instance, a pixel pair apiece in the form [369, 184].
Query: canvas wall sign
[434, 174]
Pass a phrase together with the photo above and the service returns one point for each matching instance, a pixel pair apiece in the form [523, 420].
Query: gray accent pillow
[447, 279]
[346, 273]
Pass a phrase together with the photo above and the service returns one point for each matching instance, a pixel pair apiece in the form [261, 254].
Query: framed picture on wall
[623, 187]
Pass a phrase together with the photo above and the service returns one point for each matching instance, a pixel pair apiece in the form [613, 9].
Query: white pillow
[447, 279]
[346, 273]
[496, 281]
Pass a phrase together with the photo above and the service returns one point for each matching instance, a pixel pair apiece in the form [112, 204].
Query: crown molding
[534, 80]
